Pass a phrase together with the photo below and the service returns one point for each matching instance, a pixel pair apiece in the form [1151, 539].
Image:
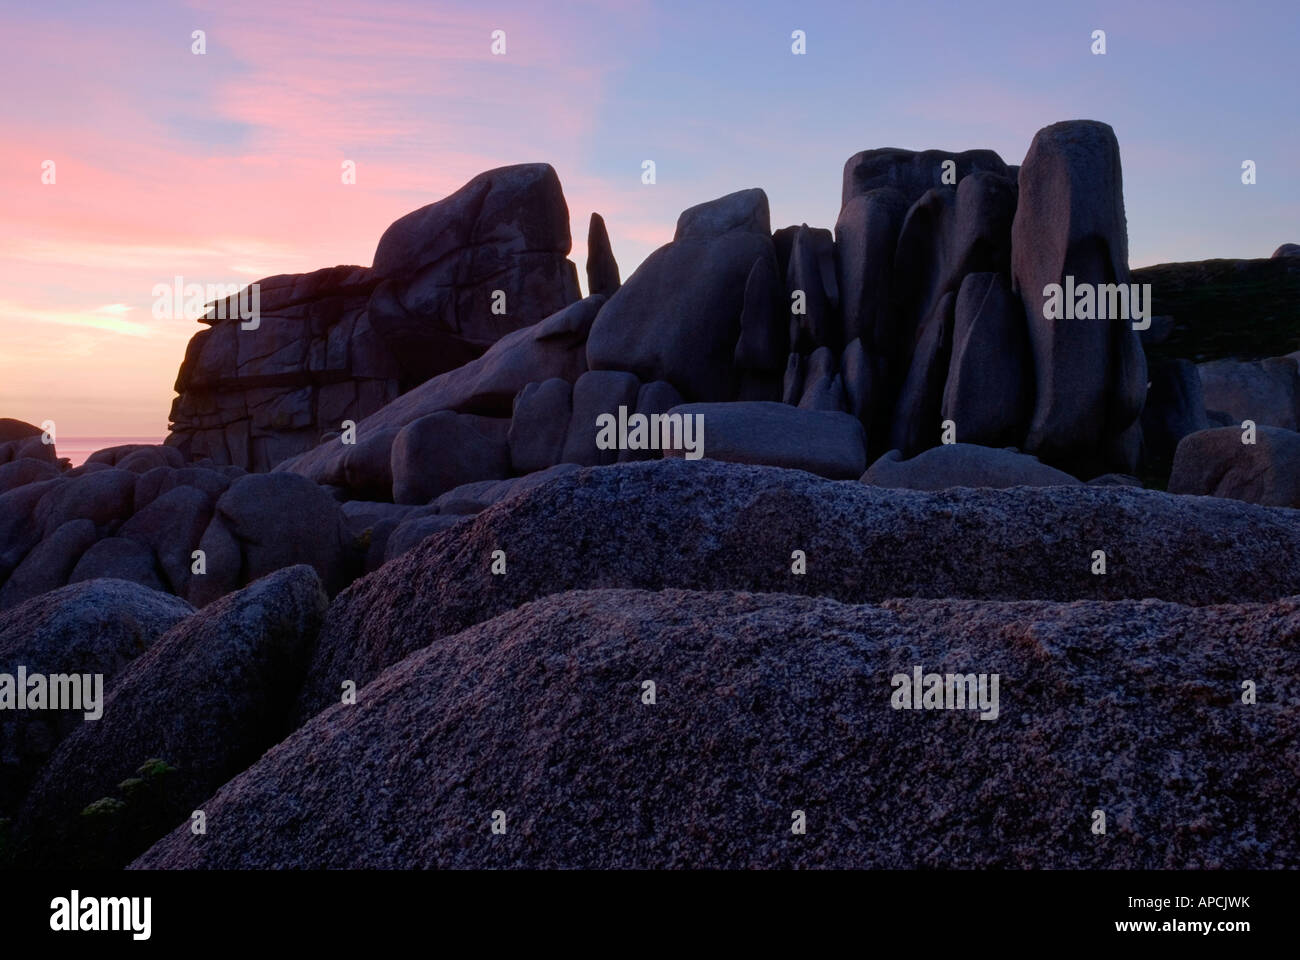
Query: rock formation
[448, 281]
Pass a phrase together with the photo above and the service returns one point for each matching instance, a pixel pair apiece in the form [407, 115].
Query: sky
[226, 167]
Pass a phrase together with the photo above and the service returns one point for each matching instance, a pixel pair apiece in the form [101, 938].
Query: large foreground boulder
[92, 629]
[627, 729]
[208, 698]
[721, 526]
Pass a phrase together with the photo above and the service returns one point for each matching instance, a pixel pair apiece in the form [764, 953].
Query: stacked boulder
[448, 281]
[908, 347]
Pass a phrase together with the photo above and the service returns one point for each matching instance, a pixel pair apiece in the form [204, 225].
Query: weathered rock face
[964, 465]
[770, 705]
[97, 627]
[342, 342]
[721, 526]
[1090, 373]
[207, 698]
[678, 316]
[1217, 463]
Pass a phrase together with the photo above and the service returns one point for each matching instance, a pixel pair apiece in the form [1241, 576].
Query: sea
[77, 449]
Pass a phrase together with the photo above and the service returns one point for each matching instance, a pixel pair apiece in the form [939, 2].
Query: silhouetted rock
[17, 473]
[1175, 407]
[596, 393]
[912, 173]
[49, 563]
[602, 268]
[118, 558]
[265, 522]
[20, 440]
[1287, 250]
[658, 397]
[340, 343]
[763, 344]
[106, 498]
[919, 412]
[172, 527]
[18, 534]
[1090, 374]
[138, 457]
[823, 386]
[811, 278]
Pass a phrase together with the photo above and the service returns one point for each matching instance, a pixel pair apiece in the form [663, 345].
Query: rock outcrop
[1070, 230]
[678, 316]
[487, 386]
[706, 525]
[448, 281]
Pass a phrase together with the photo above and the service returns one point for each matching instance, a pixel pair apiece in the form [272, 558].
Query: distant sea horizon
[78, 449]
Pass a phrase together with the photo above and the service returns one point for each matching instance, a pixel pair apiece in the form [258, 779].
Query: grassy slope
[1245, 309]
